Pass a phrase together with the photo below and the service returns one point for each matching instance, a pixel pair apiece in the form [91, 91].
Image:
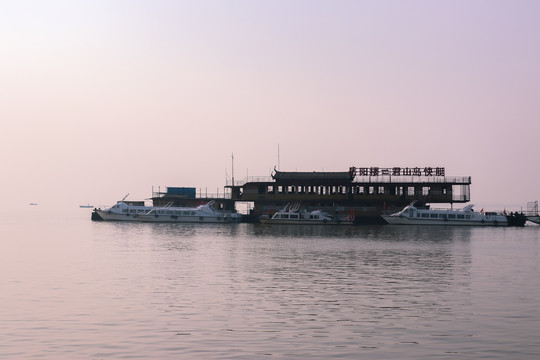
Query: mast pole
[232, 160]
[278, 165]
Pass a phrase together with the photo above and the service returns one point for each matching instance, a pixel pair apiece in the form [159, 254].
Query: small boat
[32, 204]
[292, 215]
[412, 215]
[205, 213]
[88, 206]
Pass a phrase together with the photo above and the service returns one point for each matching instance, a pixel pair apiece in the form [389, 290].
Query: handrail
[382, 179]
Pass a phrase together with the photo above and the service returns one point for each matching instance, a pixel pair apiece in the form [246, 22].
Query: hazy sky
[103, 98]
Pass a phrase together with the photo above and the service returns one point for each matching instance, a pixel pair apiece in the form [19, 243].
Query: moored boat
[205, 213]
[466, 216]
[122, 211]
[290, 215]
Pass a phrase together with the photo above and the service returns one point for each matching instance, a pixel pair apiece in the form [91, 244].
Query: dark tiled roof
[344, 176]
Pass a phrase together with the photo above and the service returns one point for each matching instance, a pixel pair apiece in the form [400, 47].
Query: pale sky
[103, 98]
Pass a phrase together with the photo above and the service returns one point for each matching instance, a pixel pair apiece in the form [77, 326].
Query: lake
[77, 289]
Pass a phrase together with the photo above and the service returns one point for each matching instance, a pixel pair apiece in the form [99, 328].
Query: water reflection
[376, 232]
[377, 264]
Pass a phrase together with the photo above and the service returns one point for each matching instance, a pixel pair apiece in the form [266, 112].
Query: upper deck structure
[366, 192]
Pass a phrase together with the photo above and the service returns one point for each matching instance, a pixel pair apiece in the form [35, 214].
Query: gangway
[532, 212]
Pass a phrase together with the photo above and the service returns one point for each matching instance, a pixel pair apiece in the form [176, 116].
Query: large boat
[205, 213]
[291, 214]
[122, 211]
[412, 215]
[137, 211]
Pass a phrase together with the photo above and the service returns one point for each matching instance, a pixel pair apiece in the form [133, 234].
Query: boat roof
[411, 205]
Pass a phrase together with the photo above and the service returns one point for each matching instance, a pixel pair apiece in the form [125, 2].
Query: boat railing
[248, 179]
[381, 179]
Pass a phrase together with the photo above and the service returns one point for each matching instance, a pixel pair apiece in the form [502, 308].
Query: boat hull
[103, 215]
[190, 219]
[397, 220]
[304, 222]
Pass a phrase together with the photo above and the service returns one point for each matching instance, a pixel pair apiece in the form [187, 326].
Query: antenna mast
[232, 159]
[278, 165]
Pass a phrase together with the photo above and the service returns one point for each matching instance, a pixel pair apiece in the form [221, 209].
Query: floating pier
[365, 193]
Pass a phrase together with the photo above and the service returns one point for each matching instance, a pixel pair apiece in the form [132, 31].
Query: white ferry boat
[121, 211]
[201, 214]
[291, 215]
[412, 215]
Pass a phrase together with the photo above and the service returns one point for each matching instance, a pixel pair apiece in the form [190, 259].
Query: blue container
[187, 192]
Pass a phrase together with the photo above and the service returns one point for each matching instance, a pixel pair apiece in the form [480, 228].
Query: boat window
[433, 216]
[169, 212]
[468, 217]
[425, 215]
[284, 216]
[294, 216]
[124, 210]
[451, 216]
[459, 216]
[132, 211]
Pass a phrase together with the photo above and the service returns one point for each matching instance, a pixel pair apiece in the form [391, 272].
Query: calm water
[76, 289]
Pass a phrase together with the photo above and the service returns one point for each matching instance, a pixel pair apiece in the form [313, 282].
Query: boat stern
[96, 216]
